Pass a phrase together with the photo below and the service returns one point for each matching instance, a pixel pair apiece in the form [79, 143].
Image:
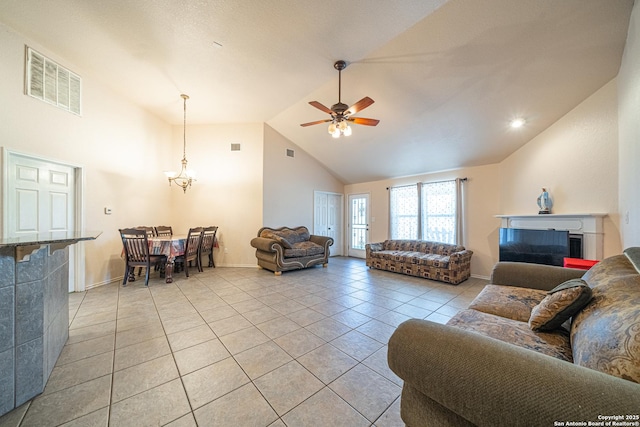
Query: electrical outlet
[626, 218]
[226, 250]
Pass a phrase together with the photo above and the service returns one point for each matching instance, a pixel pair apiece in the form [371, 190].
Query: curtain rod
[465, 179]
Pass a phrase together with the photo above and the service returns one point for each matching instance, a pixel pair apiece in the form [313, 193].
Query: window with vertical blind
[427, 211]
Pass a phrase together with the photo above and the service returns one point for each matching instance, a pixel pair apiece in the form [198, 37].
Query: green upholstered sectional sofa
[421, 258]
[487, 367]
[282, 249]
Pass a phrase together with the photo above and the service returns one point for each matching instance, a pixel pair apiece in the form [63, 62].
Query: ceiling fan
[341, 113]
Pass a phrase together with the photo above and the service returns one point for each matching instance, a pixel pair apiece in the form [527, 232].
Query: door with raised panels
[40, 197]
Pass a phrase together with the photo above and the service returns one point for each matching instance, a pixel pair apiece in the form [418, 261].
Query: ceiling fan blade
[360, 105]
[363, 121]
[321, 107]
[317, 122]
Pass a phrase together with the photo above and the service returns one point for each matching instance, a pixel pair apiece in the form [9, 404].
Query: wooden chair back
[164, 231]
[149, 230]
[208, 240]
[207, 243]
[192, 245]
[136, 246]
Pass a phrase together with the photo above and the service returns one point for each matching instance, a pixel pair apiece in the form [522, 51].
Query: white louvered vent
[290, 152]
[235, 147]
[50, 82]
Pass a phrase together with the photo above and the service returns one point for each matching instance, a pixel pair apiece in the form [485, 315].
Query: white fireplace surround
[589, 225]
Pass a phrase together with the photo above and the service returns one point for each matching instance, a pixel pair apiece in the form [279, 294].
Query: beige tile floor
[239, 347]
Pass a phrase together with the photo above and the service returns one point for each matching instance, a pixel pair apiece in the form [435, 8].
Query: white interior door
[40, 198]
[328, 219]
[358, 224]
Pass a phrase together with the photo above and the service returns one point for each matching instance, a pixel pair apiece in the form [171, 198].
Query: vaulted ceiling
[446, 76]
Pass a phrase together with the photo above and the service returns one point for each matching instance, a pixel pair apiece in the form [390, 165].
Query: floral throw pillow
[560, 304]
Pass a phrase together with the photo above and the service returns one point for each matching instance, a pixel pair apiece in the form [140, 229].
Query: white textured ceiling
[446, 76]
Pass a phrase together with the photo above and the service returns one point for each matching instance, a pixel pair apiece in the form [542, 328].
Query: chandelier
[186, 176]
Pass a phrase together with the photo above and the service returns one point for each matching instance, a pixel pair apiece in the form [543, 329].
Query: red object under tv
[583, 264]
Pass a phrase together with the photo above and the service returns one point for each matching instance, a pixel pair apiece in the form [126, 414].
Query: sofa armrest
[535, 276]
[459, 258]
[373, 247]
[323, 241]
[267, 245]
[493, 383]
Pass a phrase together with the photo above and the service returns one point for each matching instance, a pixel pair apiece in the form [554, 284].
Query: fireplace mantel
[590, 225]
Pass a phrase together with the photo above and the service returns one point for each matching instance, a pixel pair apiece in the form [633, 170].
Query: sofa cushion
[300, 249]
[555, 344]
[397, 256]
[411, 257]
[433, 260]
[508, 301]
[423, 246]
[605, 335]
[561, 303]
[269, 234]
[298, 235]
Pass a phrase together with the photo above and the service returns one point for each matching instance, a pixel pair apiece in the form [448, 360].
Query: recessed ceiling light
[517, 123]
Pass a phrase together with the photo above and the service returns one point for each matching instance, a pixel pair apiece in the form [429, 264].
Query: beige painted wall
[116, 143]
[481, 198]
[629, 132]
[576, 159]
[228, 191]
[289, 183]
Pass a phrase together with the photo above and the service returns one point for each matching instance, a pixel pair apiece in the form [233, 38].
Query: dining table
[169, 246]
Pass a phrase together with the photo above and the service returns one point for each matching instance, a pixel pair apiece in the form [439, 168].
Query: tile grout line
[113, 359]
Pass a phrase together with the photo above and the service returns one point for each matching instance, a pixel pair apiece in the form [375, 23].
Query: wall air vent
[50, 82]
[235, 147]
[290, 153]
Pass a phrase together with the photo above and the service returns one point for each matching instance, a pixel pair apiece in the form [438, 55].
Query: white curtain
[439, 211]
[403, 212]
[460, 210]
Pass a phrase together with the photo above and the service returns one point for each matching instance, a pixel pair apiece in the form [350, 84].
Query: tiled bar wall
[34, 321]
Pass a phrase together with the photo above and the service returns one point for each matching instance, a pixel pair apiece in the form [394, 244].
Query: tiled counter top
[34, 311]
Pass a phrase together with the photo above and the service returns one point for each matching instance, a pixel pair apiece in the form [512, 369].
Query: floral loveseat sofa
[421, 258]
[282, 249]
[489, 367]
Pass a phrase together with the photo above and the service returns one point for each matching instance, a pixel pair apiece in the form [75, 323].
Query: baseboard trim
[104, 282]
[478, 276]
[237, 265]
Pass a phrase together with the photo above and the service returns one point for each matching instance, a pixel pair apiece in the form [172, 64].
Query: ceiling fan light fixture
[332, 128]
[347, 131]
[342, 125]
[336, 133]
[517, 123]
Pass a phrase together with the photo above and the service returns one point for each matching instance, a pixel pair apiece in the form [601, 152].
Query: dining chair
[150, 233]
[164, 231]
[206, 245]
[136, 250]
[191, 249]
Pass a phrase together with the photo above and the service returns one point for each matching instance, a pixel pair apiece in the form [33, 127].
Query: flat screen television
[534, 246]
